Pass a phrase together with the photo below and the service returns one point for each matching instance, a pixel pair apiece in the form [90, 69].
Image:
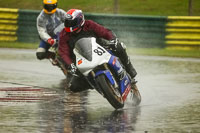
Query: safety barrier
[8, 24]
[18, 25]
[27, 31]
[135, 31]
[183, 32]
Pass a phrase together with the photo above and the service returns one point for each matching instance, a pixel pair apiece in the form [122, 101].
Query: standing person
[48, 20]
[76, 27]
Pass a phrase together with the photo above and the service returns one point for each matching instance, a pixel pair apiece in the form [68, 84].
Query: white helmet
[74, 20]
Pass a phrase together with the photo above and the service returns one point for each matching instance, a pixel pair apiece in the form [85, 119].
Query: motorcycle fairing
[90, 53]
[124, 79]
[125, 86]
[115, 64]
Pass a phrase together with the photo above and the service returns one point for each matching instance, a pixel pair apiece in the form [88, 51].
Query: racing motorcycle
[104, 72]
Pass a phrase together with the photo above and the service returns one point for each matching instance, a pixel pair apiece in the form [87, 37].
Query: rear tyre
[136, 97]
[111, 94]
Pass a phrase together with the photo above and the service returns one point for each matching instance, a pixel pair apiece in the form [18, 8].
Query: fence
[183, 32]
[8, 24]
[27, 31]
[135, 31]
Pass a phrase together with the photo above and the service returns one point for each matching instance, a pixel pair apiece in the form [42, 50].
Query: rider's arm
[63, 48]
[100, 30]
[41, 27]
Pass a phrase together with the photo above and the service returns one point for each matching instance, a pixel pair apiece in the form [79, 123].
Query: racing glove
[72, 69]
[113, 43]
[51, 41]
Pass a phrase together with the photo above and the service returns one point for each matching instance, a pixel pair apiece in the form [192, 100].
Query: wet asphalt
[34, 98]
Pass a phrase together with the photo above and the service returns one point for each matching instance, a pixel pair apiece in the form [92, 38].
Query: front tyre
[111, 94]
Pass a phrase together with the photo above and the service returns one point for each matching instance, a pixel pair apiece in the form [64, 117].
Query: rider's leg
[42, 51]
[120, 51]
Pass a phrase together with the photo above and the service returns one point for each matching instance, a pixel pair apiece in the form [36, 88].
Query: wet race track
[33, 98]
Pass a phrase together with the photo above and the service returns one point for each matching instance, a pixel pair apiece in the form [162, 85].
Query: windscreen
[84, 48]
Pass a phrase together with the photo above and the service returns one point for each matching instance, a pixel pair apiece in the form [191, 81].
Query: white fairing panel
[99, 56]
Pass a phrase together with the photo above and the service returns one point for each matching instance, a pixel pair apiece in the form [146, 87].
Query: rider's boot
[130, 69]
[132, 72]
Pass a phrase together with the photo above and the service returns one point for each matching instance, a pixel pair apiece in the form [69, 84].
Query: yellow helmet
[50, 6]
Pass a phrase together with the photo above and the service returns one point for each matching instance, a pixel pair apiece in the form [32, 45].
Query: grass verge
[139, 7]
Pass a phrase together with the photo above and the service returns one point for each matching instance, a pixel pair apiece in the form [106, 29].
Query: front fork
[115, 83]
[105, 71]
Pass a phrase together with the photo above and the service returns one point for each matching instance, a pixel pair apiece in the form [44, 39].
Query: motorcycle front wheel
[110, 93]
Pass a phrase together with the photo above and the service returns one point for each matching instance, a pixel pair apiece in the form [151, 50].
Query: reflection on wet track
[25, 94]
[34, 98]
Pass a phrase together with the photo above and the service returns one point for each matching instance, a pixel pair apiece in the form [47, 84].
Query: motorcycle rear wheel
[136, 97]
[111, 94]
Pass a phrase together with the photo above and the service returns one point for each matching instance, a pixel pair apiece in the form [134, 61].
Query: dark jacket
[89, 29]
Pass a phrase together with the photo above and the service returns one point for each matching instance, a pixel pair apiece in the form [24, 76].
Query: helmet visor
[50, 7]
[71, 23]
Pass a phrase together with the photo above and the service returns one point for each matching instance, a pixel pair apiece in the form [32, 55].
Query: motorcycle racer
[77, 27]
[49, 18]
